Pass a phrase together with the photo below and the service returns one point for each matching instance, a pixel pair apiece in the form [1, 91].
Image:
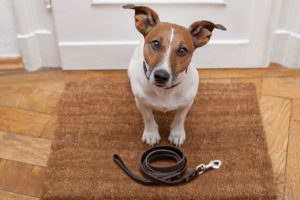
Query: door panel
[99, 34]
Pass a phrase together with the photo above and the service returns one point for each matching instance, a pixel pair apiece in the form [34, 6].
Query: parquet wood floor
[28, 116]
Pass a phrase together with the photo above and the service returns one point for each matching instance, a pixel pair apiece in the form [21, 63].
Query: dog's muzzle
[160, 76]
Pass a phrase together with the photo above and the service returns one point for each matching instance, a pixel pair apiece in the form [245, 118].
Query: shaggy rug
[99, 118]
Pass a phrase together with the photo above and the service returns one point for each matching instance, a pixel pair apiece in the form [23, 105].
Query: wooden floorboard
[296, 109]
[282, 87]
[5, 195]
[37, 76]
[11, 63]
[276, 116]
[22, 121]
[24, 148]
[21, 178]
[50, 128]
[293, 163]
[28, 118]
[40, 97]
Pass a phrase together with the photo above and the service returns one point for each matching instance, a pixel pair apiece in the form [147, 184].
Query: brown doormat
[98, 119]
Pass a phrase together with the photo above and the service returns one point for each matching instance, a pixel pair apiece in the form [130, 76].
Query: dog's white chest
[163, 101]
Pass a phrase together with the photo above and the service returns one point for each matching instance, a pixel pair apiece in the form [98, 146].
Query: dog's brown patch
[162, 33]
[202, 30]
[182, 38]
[145, 18]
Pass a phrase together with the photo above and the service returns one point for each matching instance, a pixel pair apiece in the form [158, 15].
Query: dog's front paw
[177, 136]
[151, 138]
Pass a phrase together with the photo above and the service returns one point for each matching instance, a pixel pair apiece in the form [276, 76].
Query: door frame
[36, 34]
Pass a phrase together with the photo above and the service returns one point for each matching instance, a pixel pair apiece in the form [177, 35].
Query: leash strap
[169, 175]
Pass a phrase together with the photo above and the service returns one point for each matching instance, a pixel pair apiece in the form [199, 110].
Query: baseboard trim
[11, 63]
[136, 42]
[116, 54]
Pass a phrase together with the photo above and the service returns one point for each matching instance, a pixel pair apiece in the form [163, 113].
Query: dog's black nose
[161, 76]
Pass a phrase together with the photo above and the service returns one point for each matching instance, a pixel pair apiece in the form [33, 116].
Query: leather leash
[169, 175]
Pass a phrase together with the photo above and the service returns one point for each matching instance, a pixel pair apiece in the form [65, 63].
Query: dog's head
[168, 48]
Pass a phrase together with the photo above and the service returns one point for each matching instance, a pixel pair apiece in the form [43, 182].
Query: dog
[160, 71]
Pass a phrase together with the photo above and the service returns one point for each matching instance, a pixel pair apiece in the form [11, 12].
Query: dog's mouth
[159, 85]
[164, 86]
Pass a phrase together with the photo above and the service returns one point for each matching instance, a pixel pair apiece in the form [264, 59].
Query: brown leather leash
[168, 175]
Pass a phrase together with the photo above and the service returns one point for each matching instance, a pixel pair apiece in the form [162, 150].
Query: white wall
[8, 39]
[286, 41]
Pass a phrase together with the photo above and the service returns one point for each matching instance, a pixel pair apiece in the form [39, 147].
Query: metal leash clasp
[214, 164]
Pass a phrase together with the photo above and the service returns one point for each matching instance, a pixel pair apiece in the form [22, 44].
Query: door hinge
[48, 4]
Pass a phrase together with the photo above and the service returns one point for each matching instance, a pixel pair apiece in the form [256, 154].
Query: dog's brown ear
[145, 18]
[202, 30]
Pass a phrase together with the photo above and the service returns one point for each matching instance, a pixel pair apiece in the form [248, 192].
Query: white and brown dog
[162, 77]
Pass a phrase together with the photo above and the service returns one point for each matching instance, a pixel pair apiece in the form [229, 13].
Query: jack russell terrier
[160, 71]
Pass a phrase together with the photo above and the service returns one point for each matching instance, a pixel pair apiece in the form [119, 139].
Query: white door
[99, 34]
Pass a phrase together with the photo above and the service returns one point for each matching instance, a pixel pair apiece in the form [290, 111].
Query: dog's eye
[182, 51]
[155, 44]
